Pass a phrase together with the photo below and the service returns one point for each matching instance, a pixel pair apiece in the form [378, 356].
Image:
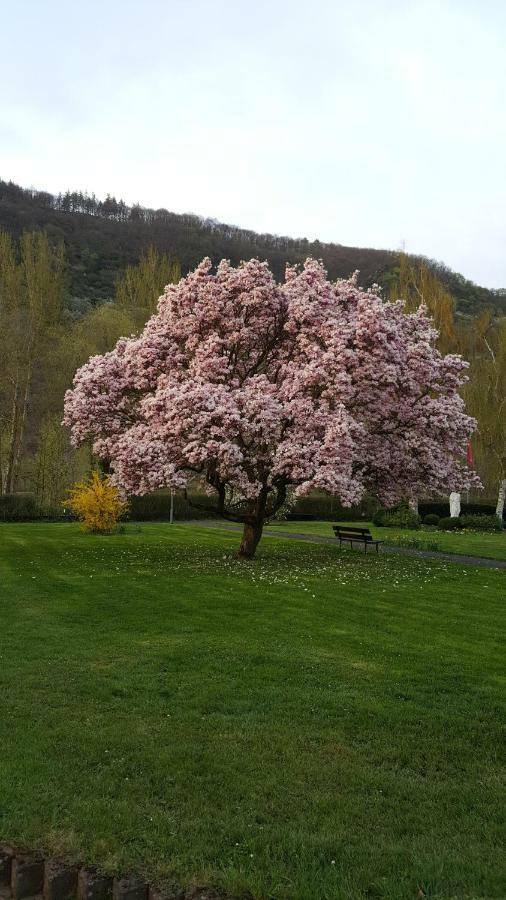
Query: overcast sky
[367, 123]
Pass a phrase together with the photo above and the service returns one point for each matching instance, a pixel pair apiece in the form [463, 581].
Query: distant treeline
[103, 237]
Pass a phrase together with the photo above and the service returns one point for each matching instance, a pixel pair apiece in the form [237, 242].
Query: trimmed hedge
[399, 517]
[25, 508]
[449, 523]
[151, 507]
[442, 509]
[431, 519]
[156, 508]
[481, 523]
[329, 508]
[18, 508]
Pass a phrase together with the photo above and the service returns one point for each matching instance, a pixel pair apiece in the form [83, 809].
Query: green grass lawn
[308, 725]
[469, 543]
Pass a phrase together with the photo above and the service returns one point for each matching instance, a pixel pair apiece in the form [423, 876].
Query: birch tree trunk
[22, 419]
[499, 510]
[8, 485]
[20, 404]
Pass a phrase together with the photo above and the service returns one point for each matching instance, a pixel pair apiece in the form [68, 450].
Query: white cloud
[363, 125]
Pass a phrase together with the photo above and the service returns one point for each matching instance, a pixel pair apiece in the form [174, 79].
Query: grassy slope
[311, 725]
[469, 543]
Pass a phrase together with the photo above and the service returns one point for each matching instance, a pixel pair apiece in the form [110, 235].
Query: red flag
[470, 456]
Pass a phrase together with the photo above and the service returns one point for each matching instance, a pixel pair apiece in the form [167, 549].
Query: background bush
[481, 523]
[323, 506]
[431, 519]
[156, 507]
[18, 508]
[449, 523]
[399, 517]
[97, 504]
[442, 509]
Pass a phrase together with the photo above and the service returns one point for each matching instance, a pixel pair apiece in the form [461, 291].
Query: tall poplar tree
[138, 289]
[418, 285]
[486, 397]
[31, 300]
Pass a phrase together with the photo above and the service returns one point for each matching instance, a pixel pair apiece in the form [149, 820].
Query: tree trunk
[413, 505]
[21, 427]
[250, 537]
[20, 403]
[499, 510]
[8, 486]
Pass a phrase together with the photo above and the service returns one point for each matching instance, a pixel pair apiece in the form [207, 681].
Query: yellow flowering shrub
[97, 504]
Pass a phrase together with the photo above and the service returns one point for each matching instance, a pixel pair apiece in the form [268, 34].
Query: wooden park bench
[355, 536]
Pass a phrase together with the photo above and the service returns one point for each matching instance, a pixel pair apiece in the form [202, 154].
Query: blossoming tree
[259, 388]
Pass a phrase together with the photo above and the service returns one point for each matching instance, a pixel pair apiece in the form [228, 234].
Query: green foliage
[32, 284]
[140, 286]
[485, 396]
[19, 508]
[449, 523]
[481, 523]
[46, 336]
[111, 236]
[399, 517]
[443, 508]
[53, 315]
[55, 464]
[103, 238]
[431, 519]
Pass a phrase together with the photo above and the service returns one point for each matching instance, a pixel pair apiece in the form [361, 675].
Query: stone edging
[24, 876]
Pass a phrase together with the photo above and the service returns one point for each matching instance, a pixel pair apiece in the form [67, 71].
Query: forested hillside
[76, 274]
[102, 238]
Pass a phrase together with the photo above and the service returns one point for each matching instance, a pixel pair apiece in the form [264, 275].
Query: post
[500, 499]
[171, 514]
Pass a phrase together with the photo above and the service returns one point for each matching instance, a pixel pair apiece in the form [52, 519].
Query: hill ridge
[103, 237]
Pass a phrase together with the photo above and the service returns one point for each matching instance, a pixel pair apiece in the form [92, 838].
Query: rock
[27, 877]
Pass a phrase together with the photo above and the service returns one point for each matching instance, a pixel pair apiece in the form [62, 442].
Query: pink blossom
[258, 387]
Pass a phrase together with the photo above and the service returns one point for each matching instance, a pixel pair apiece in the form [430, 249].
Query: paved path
[276, 531]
